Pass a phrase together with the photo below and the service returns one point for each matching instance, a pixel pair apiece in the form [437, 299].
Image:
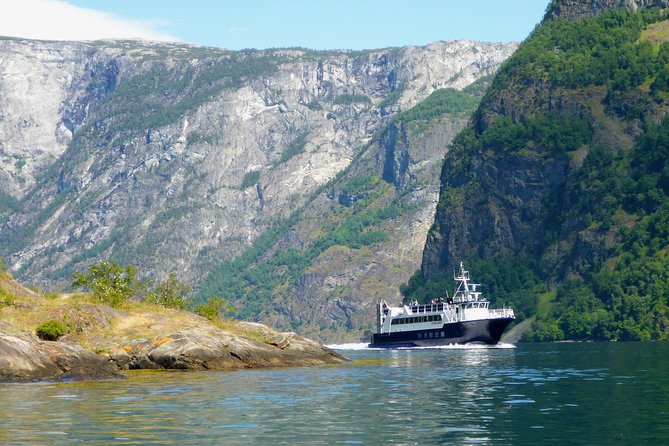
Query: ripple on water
[66, 396]
[423, 397]
[236, 426]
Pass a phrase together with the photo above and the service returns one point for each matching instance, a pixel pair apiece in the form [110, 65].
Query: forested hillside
[556, 194]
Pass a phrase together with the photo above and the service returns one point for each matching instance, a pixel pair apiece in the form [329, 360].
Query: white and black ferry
[463, 318]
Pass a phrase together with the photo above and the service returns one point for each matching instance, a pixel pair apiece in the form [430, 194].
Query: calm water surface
[590, 394]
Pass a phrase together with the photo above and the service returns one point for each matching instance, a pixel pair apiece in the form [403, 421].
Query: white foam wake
[353, 346]
[365, 346]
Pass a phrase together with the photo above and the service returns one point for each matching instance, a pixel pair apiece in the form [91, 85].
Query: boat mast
[462, 289]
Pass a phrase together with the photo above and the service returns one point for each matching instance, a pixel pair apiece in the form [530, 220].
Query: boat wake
[364, 346]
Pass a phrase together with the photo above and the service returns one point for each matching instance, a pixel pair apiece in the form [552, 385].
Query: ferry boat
[464, 318]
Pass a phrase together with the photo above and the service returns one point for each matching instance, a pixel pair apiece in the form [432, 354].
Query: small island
[72, 337]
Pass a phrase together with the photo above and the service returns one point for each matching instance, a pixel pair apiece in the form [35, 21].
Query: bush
[6, 299]
[51, 331]
[213, 308]
[314, 106]
[250, 179]
[170, 293]
[111, 284]
[349, 99]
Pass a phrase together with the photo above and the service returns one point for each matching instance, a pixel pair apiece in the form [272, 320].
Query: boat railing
[501, 313]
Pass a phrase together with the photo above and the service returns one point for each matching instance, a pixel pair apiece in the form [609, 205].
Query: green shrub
[6, 299]
[170, 293]
[51, 331]
[348, 99]
[314, 106]
[111, 284]
[213, 307]
[294, 148]
[250, 179]
[360, 184]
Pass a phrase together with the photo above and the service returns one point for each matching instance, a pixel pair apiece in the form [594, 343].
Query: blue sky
[317, 24]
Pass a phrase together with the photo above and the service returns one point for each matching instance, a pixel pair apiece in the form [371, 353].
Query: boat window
[420, 335]
[443, 334]
[431, 335]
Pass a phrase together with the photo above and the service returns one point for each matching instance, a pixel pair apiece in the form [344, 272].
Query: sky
[239, 24]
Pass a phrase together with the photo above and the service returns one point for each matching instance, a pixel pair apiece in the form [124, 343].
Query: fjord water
[577, 393]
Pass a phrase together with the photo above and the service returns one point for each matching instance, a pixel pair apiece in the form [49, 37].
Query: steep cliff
[574, 9]
[557, 189]
[178, 158]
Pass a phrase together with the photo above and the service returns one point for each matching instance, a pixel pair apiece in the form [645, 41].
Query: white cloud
[238, 29]
[59, 20]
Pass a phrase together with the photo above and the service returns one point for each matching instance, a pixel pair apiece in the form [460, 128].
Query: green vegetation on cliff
[255, 279]
[440, 102]
[363, 214]
[568, 151]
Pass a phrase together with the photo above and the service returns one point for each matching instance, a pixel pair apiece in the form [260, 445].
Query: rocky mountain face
[555, 189]
[579, 8]
[178, 159]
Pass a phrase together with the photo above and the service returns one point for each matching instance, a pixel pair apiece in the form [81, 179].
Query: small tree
[111, 284]
[213, 307]
[170, 293]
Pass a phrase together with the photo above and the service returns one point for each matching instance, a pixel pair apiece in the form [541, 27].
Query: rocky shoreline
[26, 358]
[102, 341]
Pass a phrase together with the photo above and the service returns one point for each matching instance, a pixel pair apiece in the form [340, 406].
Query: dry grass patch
[101, 328]
[656, 33]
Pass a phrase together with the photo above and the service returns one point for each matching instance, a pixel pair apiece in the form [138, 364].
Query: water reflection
[549, 394]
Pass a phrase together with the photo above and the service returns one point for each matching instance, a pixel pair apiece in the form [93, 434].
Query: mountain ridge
[177, 159]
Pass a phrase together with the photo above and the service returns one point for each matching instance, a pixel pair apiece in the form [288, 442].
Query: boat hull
[485, 331]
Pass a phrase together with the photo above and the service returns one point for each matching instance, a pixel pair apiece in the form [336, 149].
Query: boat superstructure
[464, 317]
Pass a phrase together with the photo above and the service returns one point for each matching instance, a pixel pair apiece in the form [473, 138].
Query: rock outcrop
[101, 340]
[26, 358]
[578, 8]
[211, 348]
